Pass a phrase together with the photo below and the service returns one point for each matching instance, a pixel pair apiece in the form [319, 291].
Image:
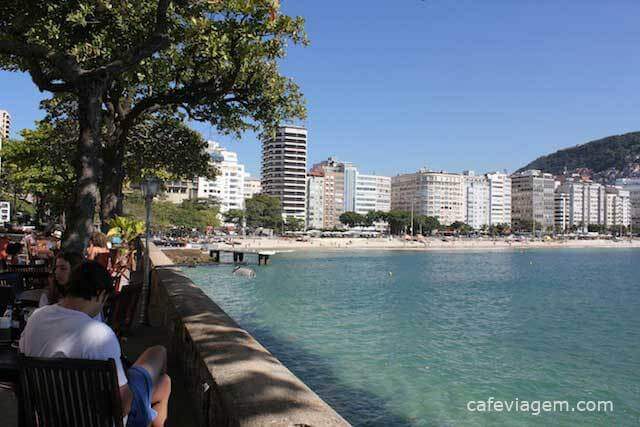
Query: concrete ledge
[234, 381]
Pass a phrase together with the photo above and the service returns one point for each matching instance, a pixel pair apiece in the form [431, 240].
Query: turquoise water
[413, 347]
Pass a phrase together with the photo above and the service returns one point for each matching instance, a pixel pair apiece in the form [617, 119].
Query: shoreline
[198, 255]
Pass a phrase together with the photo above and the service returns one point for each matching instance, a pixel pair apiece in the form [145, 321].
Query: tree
[425, 224]
[263, 211]
[352, 219]
[461, 228]
[41, 165]
[294, 224]
[235, 216]
[189, 214]
[215, 60]
[398, 221]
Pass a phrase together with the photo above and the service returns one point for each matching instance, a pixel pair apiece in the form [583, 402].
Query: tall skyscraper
[532, 200]
[284, 169]
[315, 200]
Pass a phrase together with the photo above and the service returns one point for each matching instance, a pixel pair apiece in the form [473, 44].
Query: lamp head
[150, 186]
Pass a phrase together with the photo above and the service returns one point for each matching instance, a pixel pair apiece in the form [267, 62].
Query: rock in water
[244, 272]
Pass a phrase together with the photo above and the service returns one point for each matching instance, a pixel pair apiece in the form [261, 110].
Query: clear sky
[394, 85]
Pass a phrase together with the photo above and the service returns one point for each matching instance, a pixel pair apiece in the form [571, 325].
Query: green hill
[611, 157]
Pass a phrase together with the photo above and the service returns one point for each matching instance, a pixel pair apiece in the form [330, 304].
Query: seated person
[63, 264]
[98, 249]
[67, 329]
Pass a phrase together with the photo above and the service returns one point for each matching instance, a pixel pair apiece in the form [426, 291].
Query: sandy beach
[427, 245]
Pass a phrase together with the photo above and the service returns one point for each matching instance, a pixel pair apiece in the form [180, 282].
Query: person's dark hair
[73, 258]
[99, 239]
[88, 279]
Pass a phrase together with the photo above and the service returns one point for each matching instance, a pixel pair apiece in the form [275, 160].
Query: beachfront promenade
[227, 377]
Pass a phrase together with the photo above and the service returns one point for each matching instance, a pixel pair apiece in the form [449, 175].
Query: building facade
[371, 193]
[617, 207]
[252, 186]
[436, 194]
[228, 186]
[578, 204]
[476, 199]
[632, 185]
[499, 198]
[315, 200]
[5, 212]
[5, 124]
[532, 200]
[284, 170]
[179, 191]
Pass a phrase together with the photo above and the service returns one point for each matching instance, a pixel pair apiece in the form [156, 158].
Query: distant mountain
[604, 160]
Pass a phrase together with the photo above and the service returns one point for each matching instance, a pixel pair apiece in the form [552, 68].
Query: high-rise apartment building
[578, 204]
[476, 195]
[334, 173]
[499, 198]
[315, 200]
[617, 207]
[5, 128]
[532, 200]
[372, 193]
[284, 169]
[5, 124]
[437, 194]
[632, 185]
[228, 186]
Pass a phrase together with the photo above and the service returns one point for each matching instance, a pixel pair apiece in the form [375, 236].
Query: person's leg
[154, 361]
[160, 400]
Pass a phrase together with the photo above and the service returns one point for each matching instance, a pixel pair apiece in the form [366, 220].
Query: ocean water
[409, 339]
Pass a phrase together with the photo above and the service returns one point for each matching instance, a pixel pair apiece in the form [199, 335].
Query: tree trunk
[87, 164]
[112, 182]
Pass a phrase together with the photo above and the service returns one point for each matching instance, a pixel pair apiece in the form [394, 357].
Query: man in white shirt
[68, 329]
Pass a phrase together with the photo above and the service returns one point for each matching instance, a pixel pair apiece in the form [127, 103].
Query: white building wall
[315, 202]
[5, 212]
[252, 186]
[476, 200]
[372, 193]
[632, 185]
[499, 198]
[228, 185]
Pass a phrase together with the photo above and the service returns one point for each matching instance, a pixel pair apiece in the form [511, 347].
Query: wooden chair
[63, 392]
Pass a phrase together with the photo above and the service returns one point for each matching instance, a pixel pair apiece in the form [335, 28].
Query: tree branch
[157, 41]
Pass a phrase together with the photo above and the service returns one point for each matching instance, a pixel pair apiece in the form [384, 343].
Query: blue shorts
[141, 387]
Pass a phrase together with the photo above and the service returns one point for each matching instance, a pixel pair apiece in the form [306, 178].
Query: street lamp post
[150, 186]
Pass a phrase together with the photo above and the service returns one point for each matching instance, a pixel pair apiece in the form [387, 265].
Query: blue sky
[448, 84]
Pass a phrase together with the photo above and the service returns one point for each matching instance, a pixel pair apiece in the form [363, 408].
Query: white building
[436, 194]
[252, 186]
[499, 198]
[370, 193]
[5, 212]
[5, 124]
[284, 169]
[476, 195]
[179, 191]
[632, 185]
[578, 204]
[5, 128]
[228, 186]
[315, 200]
[617, 208]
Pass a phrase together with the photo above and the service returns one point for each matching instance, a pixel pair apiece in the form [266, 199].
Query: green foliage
[461, 227]
[353, 219]
[189, 214]
[234, 216]
[126, 228]
[41, 165]
[425, 224]
[399, 221]
[294, 224]
[263, 211]
[611, 152]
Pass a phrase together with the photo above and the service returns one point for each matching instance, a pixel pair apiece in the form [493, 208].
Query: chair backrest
[63, 392]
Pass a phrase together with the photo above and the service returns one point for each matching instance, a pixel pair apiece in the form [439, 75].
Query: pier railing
[231, 379]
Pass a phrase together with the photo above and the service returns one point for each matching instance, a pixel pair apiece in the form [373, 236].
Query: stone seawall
[232, 379]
